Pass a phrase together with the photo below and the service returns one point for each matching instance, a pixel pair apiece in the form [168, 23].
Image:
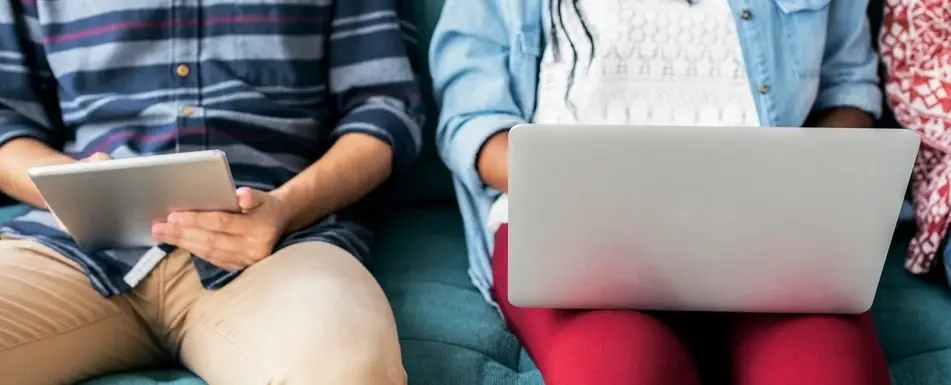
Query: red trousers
[623, 347]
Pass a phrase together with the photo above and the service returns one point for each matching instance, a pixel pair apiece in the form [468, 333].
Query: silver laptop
[776, 220]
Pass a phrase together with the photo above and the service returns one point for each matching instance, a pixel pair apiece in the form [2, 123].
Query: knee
[351, 365]
[808, 350]
[619, 327]
[805, 330]
[358, 346]
[327, 318]
[621, 333]
[603, 346]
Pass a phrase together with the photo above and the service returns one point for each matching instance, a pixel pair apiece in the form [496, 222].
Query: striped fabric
[272, 83]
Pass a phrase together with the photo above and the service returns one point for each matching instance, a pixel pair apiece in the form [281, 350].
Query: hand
[493, 161]
[97, 157]
[231, 241]
[843, 117]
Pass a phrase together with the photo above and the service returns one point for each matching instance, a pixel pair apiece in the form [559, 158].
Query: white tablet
[112, 204]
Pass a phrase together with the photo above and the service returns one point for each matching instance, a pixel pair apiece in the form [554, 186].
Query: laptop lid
[787, 220]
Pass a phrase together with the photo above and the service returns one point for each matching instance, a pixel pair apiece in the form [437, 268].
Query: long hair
[556, 23]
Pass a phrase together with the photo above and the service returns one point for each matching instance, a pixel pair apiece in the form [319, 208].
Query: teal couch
[451, 337]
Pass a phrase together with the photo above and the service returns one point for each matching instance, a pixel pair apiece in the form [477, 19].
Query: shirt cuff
[388, 123]
[466, 143]
[864, 96]
[498, 214]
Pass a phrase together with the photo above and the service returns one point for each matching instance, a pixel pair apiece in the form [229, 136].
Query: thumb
[250, 199]
[97, 157]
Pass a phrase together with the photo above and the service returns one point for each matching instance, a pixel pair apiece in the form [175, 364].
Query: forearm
[844, 117]
[17, 157]
[353, 167]
[493, 162]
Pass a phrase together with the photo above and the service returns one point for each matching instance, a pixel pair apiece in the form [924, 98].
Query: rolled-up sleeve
[468, 58]
[372, 79]
[21, 112]
[849, 75]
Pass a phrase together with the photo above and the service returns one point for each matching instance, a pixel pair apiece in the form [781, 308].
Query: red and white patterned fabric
[916, 48]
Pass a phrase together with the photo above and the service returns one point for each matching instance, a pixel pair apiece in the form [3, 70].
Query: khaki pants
[311, 314]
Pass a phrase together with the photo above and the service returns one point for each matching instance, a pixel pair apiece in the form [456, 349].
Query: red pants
[621, 347]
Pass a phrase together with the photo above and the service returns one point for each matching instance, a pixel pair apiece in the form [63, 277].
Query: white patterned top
[655, 62]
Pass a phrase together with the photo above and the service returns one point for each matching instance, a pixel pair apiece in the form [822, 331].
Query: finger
[209, 241]
[250, 199]
[217, 221]
[201, 245]
[97, 157]
[219, 258]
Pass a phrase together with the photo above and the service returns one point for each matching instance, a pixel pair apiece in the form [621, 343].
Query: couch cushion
[911, 316]
[429, 179]
[449, 334]
[169, 377]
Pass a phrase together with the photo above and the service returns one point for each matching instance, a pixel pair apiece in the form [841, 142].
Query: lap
[749, 343]
[815, 349]
[311, 313]
[49, 312]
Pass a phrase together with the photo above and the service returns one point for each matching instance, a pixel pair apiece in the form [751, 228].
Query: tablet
[112, 204]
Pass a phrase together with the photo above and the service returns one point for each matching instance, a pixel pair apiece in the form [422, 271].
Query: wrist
[293, 207]
[17, 157]
[492, 161]
[845, 117]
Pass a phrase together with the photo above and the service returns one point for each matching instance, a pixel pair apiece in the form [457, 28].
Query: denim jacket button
[764, 89]
[746, 14]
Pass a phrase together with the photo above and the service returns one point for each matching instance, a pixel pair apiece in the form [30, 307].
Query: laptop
[771, 220]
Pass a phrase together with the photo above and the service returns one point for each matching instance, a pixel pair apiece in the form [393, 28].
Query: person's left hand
[231, 241]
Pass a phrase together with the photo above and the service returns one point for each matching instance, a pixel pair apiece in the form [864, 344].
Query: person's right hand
[97, 157]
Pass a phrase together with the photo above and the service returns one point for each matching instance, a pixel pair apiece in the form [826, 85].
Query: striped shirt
[272, 83]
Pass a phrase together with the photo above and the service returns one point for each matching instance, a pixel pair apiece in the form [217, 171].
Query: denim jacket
[801, 55]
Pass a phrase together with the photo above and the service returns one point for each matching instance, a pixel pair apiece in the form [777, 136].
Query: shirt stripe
[272, 83]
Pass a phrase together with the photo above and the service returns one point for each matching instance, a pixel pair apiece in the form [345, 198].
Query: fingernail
[159, 229]
[174, 218]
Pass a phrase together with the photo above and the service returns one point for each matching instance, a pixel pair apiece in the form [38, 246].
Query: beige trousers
[311, 314]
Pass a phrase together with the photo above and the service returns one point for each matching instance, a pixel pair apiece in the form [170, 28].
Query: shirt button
[188, 111]
[746, 14]
[764, 89]
[182, 70]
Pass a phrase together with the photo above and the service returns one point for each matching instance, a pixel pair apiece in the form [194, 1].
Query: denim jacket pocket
[792, 6]
[805, 24]
[523, 65]
[527, 46]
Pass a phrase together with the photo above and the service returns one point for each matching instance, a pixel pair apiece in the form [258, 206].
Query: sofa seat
[912, 318]
[448, 333]
[161, 377]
